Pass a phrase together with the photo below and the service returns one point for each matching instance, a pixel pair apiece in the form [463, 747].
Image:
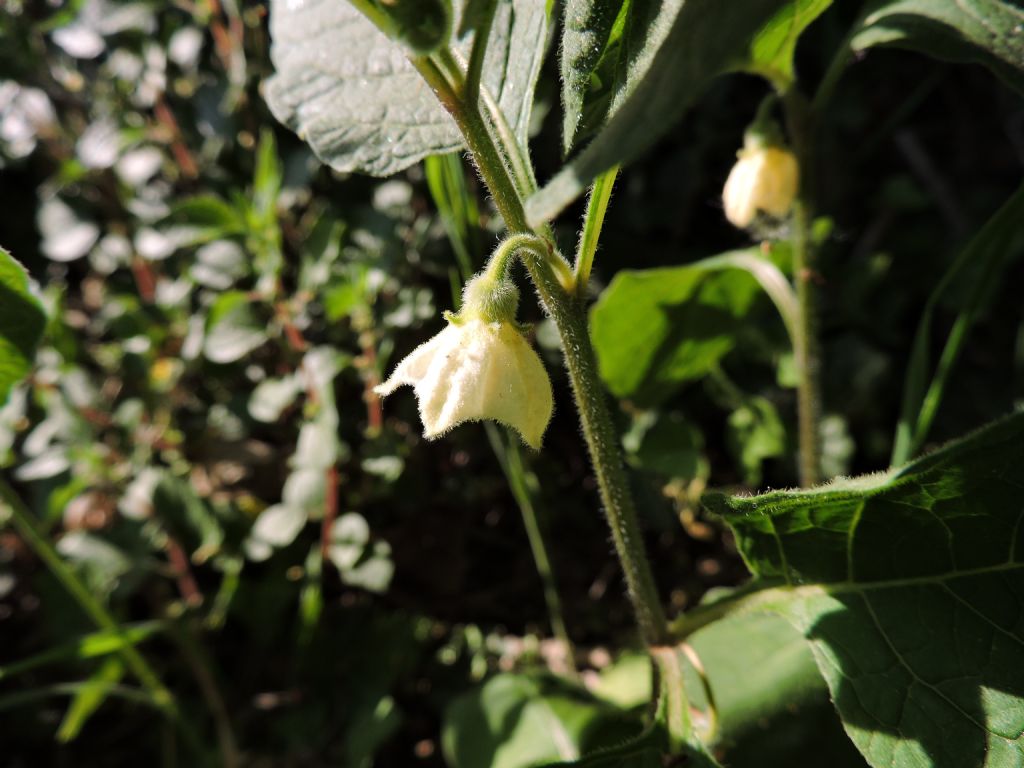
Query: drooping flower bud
[765, 179]
[479, 367]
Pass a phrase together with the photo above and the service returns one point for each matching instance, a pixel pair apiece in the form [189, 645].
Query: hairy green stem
[569, 314]
[450, 90]
[515, 155]
[805, 338]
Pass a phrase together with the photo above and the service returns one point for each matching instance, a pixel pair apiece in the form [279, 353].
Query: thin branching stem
[805, 338]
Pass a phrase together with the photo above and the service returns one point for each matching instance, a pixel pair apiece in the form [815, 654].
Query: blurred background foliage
[315, 583]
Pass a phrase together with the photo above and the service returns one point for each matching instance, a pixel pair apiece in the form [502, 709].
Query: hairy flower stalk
[479, 367]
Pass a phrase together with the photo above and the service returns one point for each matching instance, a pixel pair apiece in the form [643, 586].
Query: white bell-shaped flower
[478, 368]
[764, 179]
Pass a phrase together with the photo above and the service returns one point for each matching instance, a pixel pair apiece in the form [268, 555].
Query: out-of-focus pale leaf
[66, 237]
[279, 525]
[233, 328]
[272, 396]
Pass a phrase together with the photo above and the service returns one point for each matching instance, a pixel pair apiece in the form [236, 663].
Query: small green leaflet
[772, 53]
[22, 321]
[909, 587]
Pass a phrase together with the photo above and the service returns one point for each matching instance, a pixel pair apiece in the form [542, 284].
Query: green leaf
[89, 697]
[457, 206]
[233, 328]
[771, 55]
[908, 586]
[977, 272]
[89, 646]
[187, 516]
[671, 51]
[986, 32]
[514, 721]
[586, 32]
[771, 702]
[657, 328]
[666, 444]
[208, 217]
[755, 433]
[354, 96]
[22, 321]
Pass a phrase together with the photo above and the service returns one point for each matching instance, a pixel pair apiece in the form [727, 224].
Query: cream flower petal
[412, 368]
[763, 179]
[476, 370]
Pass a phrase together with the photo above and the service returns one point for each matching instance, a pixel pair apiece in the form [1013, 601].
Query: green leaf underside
[586, 28]
[657, 328]
[986, 32]
[21, 324]
[771, 55]
[672, 51]
[355, 97]
[909, 587]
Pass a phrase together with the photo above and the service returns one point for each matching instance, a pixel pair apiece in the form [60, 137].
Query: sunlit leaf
[355, 97]
[908, 586]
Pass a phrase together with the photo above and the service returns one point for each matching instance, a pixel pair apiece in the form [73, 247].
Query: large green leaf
[986, 32]
[670, 52]
[21, 324]
[656, 328]
[355, 97]
[771, 702]
[586, 31]
[909, 586]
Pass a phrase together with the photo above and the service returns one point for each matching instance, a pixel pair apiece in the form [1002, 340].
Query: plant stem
[186, 635]
[511, 462]
[484, 20]
[569, 314]
[25, 525]
[489, 161]
[805, 339]
[593, 221]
